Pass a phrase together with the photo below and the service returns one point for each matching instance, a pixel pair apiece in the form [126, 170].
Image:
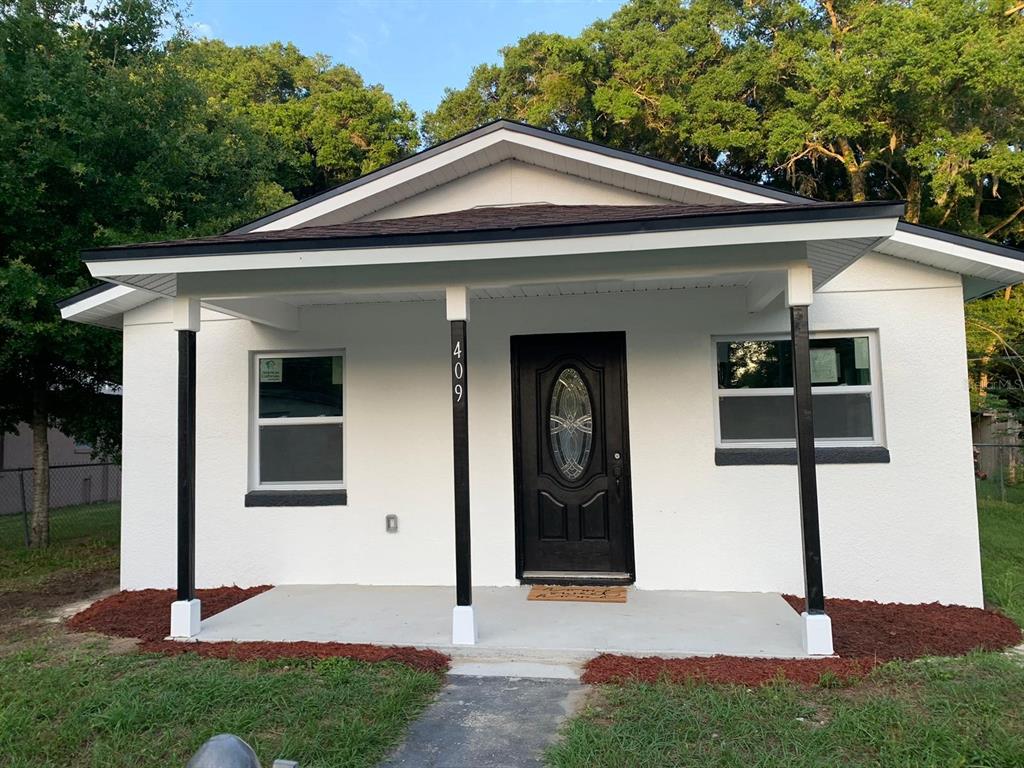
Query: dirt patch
[888, 631]
[145, 614]
[53, 593]
[865, 634]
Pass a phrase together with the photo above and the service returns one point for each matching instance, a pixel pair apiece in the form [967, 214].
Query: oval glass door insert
[571, 418]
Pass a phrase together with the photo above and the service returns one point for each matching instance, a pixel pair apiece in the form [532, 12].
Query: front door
[572, 463]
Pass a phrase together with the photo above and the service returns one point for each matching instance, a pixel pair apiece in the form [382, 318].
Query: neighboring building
[637, 329]
[16, 449]
[75, 476]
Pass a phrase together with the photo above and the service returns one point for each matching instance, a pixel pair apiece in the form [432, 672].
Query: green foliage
[320, 123]
[103, 142]
[91, 708]
[840, 99]
[995, 341]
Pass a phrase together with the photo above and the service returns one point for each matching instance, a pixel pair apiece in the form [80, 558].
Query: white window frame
[255, 422]
[874, 389]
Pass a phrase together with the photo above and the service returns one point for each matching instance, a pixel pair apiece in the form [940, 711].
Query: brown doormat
[576, 594]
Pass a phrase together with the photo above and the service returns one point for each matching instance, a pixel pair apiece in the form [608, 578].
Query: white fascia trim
[70, 311]
[513, 249]
[975, 255]
[509, 141]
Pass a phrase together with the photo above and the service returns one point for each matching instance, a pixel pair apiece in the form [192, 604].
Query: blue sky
[413, 47]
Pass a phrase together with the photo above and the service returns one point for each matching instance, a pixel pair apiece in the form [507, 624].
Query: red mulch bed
[888, 631]
[145, 614]
[866, 634]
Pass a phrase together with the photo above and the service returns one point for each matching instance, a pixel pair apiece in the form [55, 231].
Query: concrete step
[515, 669]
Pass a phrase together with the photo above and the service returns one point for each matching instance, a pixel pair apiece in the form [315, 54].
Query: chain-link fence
[85, 500]
[999, 471]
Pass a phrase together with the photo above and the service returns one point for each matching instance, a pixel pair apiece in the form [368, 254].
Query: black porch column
[807, 472]
[460, 431]
[186, 464]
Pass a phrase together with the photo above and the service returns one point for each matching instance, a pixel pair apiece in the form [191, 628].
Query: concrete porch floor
[664, 623]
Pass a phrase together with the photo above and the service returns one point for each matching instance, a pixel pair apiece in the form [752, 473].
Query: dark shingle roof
[548, 220]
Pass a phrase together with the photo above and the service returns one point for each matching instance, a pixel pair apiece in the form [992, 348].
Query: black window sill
[735, 457]
[332, 498]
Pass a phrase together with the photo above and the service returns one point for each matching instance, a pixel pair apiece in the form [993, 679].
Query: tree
[103, 141]
[322, 124]
[839, 99]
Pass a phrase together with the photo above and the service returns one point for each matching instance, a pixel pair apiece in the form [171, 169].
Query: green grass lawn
[84, 539]
[1001, 525]
[933, 712]
[91, 707]
[936, 712]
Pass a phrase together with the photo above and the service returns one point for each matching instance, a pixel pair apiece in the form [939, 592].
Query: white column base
[817, 634]
[185, 617]
[463, 625]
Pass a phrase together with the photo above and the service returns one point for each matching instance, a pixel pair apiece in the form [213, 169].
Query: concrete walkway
[497, 722]
[665, 623]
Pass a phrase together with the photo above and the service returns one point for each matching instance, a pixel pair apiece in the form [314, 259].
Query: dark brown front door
[572, 463]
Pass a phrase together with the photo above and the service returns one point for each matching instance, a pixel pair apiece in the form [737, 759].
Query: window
[298, 420]
[755, 391]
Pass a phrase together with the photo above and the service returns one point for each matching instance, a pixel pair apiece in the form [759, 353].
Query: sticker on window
[335, 370]
[824, 366]
[271, 369]
[860, 352]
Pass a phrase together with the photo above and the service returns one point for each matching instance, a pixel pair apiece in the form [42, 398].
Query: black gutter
[878, 209]
[529, 130]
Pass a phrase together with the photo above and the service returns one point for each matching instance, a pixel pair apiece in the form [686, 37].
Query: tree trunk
[39, 533]
[913, 214]
[857, 171]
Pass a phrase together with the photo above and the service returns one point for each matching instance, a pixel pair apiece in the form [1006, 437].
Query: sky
[414, 48]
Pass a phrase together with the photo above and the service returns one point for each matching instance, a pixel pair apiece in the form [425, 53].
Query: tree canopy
[838, 99]
[322, 124]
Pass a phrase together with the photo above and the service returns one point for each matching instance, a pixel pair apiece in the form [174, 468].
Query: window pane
[760, 364]
[754, 364]
[771, 417]
[757, 418]
[305, 453]
[300, 386]
[843, 416]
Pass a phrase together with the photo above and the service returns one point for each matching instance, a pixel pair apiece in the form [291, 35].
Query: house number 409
[458, 370]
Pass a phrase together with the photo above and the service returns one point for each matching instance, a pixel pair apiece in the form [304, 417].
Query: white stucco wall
[904, 531]
[513, 183]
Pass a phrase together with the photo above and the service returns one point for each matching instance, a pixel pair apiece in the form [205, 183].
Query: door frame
[517, 446]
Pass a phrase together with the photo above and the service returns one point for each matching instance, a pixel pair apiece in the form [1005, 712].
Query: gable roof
[986, 266]
[513, 129]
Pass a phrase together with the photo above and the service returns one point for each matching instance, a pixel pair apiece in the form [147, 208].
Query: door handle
[617, 474]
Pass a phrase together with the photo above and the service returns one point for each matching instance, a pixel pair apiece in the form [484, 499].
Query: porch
[651, 622]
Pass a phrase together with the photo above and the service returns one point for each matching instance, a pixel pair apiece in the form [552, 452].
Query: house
[518, 357]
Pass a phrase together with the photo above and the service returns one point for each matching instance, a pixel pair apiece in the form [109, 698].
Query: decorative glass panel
[571, 417]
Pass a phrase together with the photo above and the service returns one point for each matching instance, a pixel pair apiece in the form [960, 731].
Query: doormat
[575, 594]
